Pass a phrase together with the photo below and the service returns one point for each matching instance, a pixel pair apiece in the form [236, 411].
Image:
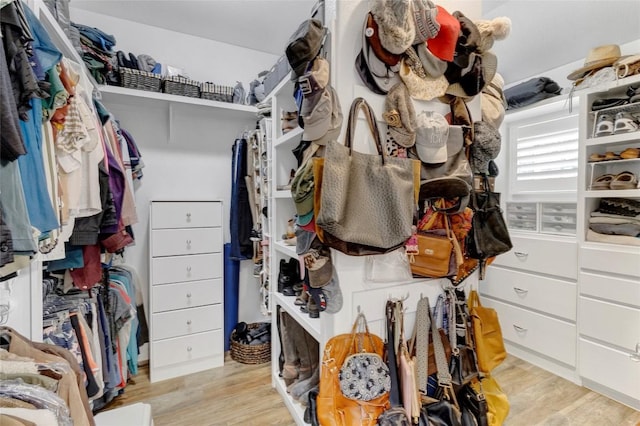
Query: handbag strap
[356, 105]
[474, 300]
[359, 324]
[420, 339]
[392, 358]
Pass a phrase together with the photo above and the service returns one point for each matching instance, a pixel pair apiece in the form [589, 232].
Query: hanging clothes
[241, 219]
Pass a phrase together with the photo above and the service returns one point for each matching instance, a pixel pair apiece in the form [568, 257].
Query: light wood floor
[241, 394]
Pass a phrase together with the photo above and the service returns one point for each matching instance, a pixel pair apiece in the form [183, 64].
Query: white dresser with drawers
[533, 288]
[186, 287]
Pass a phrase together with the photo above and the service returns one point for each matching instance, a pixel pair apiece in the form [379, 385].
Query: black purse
[489, 235]
[473, 405]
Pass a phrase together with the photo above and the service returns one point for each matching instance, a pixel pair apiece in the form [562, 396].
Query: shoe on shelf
[599, 104]
[255, 235]
[630, 153]
[624, 123]
[602, 182]
[624, 180]
[604, 125]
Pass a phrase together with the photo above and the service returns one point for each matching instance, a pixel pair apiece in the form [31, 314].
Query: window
[543, 145]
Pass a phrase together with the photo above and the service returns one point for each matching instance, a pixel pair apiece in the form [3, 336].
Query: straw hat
[598, 57]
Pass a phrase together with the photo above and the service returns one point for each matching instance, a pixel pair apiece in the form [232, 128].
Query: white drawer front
[188, 214]
[610, 367]
[186, 321]
[189, 294]
[621, 262]
[549, 336]
[186, 268]
[171, 242]
[610, 288]
[187, 348]
[552, 257]
[616, 324]
[549, 295]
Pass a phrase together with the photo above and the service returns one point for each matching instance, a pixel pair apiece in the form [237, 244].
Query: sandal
[624, 180]
[608, 156]
[630, 153]
[595, 157]
[602, 182]
[604, 127]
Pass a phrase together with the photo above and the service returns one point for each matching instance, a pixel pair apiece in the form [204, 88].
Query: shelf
[285, 249]
[618, 193]
[623, 82]
[606, 140]
[145, 97]
[285, 82]
[295, 408]
[312, 325]
[292, 135]
[624, 160]
[282, 193]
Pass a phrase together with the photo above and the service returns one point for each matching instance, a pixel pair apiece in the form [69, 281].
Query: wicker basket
[181, 86]
[250, 354]
[216, 92]
[140, 80]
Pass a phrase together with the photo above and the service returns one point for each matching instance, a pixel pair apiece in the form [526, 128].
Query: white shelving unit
[608, 305]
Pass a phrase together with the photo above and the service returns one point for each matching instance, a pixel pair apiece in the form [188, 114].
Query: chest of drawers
[186, 288]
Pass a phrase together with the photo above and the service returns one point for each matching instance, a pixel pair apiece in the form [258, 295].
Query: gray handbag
[366, 199]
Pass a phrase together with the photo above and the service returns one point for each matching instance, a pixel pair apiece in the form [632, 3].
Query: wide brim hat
[324, 122]
[423, 88]
[598, 57]
[384, 76]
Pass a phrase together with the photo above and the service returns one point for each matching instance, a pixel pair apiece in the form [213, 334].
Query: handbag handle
[474, 300]
[356, 105]
[394, 394]
[360, 320]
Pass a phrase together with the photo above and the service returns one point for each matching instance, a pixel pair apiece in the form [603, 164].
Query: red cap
[443, 45]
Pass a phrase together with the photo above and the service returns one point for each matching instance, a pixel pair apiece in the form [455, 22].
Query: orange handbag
[333, 408]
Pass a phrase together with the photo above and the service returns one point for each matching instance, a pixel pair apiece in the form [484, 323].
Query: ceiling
[545, 33]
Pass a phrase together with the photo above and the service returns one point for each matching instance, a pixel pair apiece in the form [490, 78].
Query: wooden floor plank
[240, 394]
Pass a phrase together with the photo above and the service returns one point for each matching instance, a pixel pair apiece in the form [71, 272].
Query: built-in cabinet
[609, 273]
[186, 290]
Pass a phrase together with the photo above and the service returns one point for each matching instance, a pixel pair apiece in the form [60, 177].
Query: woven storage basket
[140, 80]
[181, 86]
[250, 354]
[216, 92]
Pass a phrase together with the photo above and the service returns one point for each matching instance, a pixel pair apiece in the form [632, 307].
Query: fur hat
[400, 116]
[397, 30]
[492, 30]
[485, 146]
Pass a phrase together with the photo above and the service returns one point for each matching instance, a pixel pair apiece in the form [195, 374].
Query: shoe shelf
[285, 249]
[295, 408]
[632, 108]
[291, 136]
[312, 325]
[613, 193]
[630, 137]
[283, 193]
[598, 168]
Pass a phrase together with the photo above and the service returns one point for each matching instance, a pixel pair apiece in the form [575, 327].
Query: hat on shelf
[324, 122]
[419, 83]
[374, 72]
[425, 20]
[492, 30]
[304, 45]
[396, 27]
[400, 116]
[432, 132]
[443, 45]
[485, 146]
[597, 58]
[312, 84]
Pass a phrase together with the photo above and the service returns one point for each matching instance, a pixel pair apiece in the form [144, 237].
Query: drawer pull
[188, 244]
[188, 322]
[189, 348]
[636, 356]
[521, 255]
[188, 269]
[188, 294]
[188, 217]
[520, 291]
[519, 329]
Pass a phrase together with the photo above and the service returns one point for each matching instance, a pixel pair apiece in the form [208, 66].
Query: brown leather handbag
[333, 408]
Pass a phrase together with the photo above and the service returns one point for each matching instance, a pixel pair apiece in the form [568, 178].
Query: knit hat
[400, 116]
[424, 18]
[432, 132]
[485, 146]
[420, 85]
[443, 45]
[304, 45]
[492, 30]
[312, 84]
[493, 102]
[396, 27]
